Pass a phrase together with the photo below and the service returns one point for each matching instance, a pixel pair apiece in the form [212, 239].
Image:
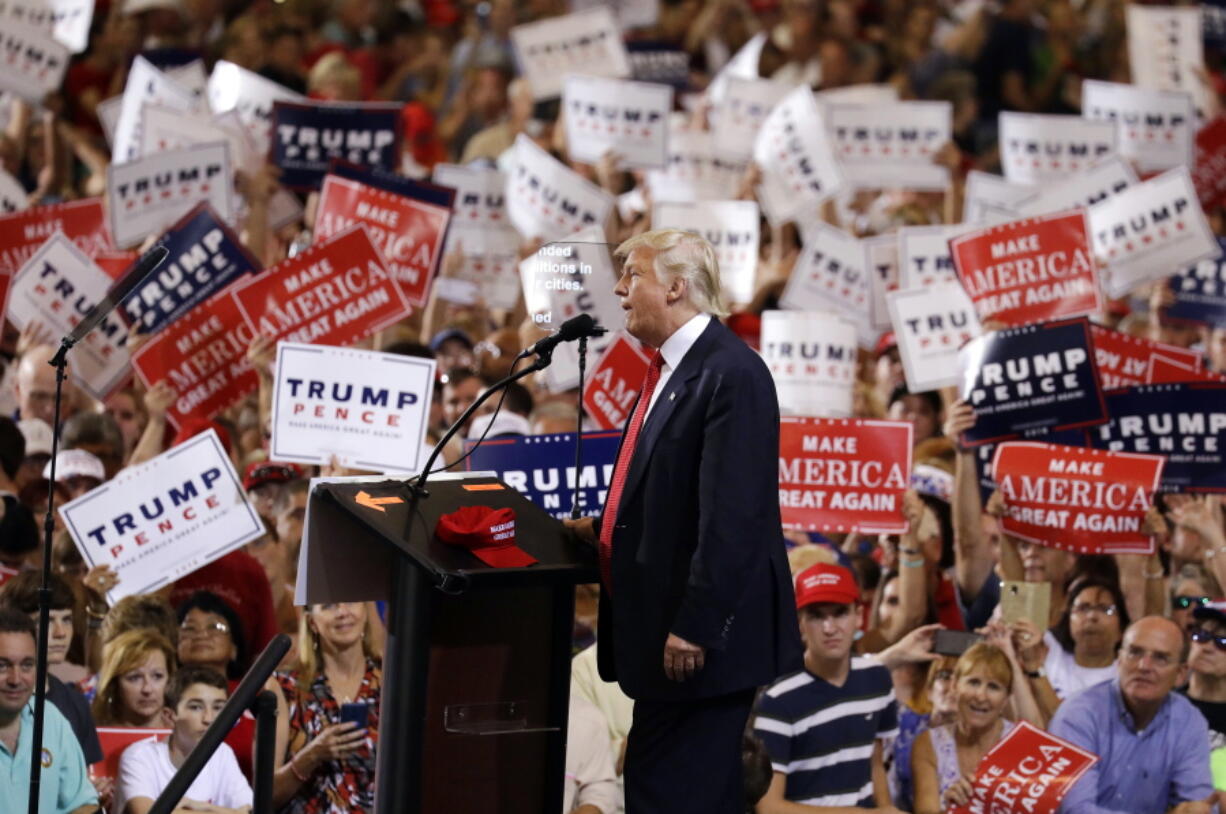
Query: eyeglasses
[204, 630]
[1202, 636]
[1185, 602]
[1083, 608]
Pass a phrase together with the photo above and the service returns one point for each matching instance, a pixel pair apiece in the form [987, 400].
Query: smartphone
[954, 642]
[356, 713]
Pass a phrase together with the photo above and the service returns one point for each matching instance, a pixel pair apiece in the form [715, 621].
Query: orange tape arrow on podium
[377, 503]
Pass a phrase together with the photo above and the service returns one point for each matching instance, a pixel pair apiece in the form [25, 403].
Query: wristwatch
[1039, 673]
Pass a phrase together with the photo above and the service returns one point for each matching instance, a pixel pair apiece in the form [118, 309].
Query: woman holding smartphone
[328, 714]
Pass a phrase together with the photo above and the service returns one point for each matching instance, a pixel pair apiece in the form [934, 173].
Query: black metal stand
[574, 501]
[265, 711]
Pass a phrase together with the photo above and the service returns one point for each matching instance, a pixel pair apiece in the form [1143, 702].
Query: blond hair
[680, 253]
[310, 661]
[991, 658]
[120, 655]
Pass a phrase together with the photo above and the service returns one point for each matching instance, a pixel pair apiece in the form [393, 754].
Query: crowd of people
[1130, 664]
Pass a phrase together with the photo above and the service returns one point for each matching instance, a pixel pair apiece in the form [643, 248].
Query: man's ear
[677, 289]
[169, 717]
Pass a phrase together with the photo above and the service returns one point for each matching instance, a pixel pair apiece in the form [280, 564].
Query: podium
[476, 674]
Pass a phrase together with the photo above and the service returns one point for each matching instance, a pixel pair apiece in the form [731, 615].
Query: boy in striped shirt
[824, 725]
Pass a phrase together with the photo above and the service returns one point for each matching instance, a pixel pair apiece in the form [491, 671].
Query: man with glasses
[1207, 682]
[1153, 744]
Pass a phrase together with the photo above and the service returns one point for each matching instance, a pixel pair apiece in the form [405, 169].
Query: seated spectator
[21, 594]
[807, 713]
[1153, 746]
[934, 705]
[136, 666]
[239, 579]
[65, 786]
[1207, 684]
[590, 785]
[1191, 588]
[193, 700]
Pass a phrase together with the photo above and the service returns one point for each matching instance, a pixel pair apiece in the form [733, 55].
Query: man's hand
[682, 660]
[1192, 807]
[584, 528]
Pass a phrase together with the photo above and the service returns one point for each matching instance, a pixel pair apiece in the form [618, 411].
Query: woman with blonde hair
[323, 764]
[136, 667]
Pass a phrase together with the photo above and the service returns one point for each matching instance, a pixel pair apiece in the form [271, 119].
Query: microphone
[582, 326]
[141, 269]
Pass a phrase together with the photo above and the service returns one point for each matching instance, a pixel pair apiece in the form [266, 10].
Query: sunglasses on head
[1185, 602]
[1202, 636]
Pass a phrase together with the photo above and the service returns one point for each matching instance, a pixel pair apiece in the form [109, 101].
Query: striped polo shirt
[821, 736]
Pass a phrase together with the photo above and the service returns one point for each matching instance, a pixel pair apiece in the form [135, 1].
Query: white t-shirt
[145, 769]
[1066, 675]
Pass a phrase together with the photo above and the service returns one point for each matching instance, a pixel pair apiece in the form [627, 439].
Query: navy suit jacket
[697, 545]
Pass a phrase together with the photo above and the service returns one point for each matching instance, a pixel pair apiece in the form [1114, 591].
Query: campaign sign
[797, 158]
[989, 194]
[812, 358]
[1027, 772]
[1123, 359]
[66, 21]
[547, 200]
[1164, 370]
[163, 128]
[203, 357]
[367, 409]
[1035, 378]
[308, 136]
[731, 227]
[57, 287]
[1030, 270]
[1036, 148]
[12, 194]
[34, 62]
[587, 42]
[115, 262]
[1184, 422]
[629, 118]
[696, 171]
[488, 267]
[844, 474]
[146, 85]
[1209, 171]
[1082, 500]
[147, 195]
[114, 740]
[205, 256]
[924, 257]
[609, 394]
[480, 194]
[1154, 128]
[1200, 291]
[985, 455]
[667, 66]
[881, 261]
[163, 519]
[892, 145]
[334, 293]
[1166, 51]
[830, 276]
[746, 104]
[930, 325]
[409, 231]
[1110, 177]
[542, 468]
[251, 95]
[21, 233]
[1148, 229]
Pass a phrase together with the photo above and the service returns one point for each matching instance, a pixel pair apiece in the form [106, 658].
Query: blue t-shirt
[822, 736]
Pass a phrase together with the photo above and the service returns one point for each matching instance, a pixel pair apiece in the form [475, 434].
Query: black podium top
[382, 508]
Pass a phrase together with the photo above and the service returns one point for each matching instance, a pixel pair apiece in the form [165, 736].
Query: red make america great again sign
[844, 474]
[1026, 772]
[1031, 270]
[1088, 501]
[22, 233]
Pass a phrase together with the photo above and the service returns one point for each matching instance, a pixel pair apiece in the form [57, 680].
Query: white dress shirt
[674, 350]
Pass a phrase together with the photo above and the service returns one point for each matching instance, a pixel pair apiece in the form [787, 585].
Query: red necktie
[622, 469]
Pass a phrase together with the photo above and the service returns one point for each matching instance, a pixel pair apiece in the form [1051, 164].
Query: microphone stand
[574, 501]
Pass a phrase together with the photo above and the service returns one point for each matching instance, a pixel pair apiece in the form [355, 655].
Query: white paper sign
[830, 275]
[986, 193]
[34, 63]
[744, 107]
[165, 129]
[66, 21]
[147, 195]
[146, 85]
[797, 158]
[1093, 186]
[812, 357]
[743, 65]
[232, 87]
[1036, 148]
[892, 145]
[881, 262]
[731, 227]
[193, 77]
[12, 195]
[1155, 129]
[924, 258]
[546, 199]
[161, 520]
[696, 171]
[1150, 231]
[629, 118]
[587, 42]
[57, 287]
[368, 409]
[930, 324]
[481, 232]
[1166, 50]
[108, 111]
[629, 13]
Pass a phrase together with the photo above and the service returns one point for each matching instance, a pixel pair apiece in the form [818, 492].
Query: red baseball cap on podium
[488, 533]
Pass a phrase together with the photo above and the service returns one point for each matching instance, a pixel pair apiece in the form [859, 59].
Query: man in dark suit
[697, 608]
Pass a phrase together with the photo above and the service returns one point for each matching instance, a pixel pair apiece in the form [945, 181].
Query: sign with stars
[1155, 129]
[149, 194]
[830, 274]
[812, 358]
[731, 227]
[930, 325]
[308, 136]
[627, 118]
